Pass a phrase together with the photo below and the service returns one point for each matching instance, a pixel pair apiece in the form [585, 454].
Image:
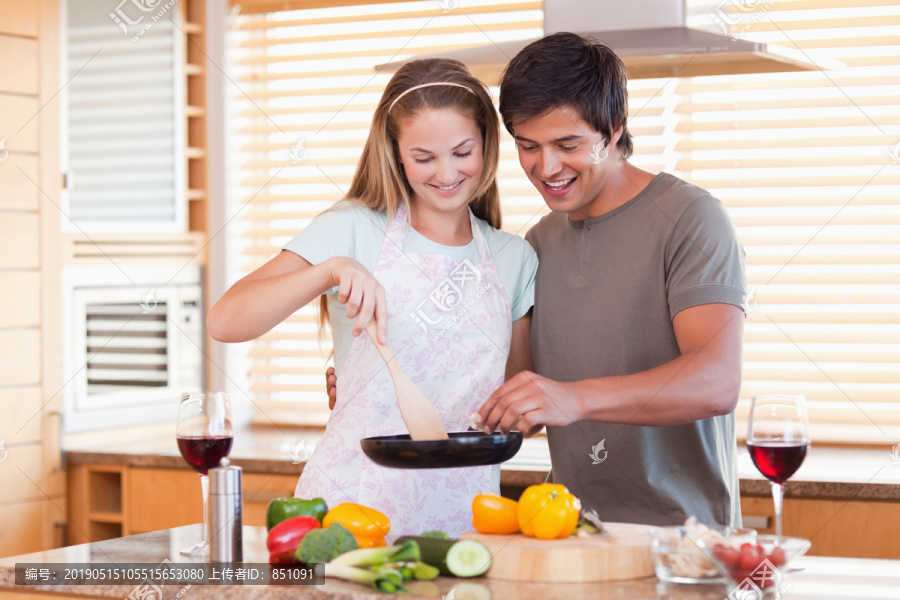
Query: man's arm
[520, 358]
[704, 381]
[520, 347]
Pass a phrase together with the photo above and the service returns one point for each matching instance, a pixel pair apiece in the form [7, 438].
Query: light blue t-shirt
[349, 229]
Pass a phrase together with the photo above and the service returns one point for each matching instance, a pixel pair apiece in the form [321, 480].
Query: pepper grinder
[225, 522]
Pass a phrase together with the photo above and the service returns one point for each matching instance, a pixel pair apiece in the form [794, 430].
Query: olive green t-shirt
[606, 291]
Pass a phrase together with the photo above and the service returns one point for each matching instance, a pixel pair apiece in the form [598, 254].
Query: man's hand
[528, 401]
[331, 386]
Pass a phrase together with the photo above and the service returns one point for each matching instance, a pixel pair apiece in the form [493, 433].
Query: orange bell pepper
[548, 511]
[366, 524]
[495, 514]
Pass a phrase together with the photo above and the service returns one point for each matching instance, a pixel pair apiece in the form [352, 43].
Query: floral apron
[449, 325]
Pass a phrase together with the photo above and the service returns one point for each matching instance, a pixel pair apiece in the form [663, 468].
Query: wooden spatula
[417, 411]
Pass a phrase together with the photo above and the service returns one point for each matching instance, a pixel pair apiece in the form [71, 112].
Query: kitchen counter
[819, 578]
[827, 472]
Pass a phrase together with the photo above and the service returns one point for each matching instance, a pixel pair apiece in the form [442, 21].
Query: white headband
[422, 85]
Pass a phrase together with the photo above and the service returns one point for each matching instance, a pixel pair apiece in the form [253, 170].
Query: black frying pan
[463, 449]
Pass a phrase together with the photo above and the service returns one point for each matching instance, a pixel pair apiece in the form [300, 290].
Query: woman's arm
[266, 297]
[272, 293]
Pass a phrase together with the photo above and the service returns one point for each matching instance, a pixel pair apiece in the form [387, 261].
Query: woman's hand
[361, 292]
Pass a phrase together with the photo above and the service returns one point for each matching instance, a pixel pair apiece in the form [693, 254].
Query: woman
[415, 244]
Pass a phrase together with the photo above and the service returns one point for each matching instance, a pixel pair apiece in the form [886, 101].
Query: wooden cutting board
[621, 551]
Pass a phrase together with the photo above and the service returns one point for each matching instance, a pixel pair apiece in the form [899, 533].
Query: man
[637, 325]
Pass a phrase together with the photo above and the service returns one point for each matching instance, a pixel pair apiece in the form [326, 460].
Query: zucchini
[454, 558]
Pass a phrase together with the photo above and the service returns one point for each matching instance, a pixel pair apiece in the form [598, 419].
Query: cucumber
[454, 558]
[468, 558]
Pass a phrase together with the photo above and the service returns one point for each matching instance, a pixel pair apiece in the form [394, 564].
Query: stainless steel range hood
[652, 38]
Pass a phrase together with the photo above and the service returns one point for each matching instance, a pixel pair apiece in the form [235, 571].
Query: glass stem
[204, 489]
[778, 498]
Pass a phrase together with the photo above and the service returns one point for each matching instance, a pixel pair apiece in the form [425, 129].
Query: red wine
[204, 452]
[777, 461]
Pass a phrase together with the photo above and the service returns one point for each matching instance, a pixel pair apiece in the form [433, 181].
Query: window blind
[802, 161]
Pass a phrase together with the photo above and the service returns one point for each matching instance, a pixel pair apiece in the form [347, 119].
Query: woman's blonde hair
[380, 182]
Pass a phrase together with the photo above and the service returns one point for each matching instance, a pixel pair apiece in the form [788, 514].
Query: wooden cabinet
[162, 498]
[108, 501]
[854, 528]
[95, 503]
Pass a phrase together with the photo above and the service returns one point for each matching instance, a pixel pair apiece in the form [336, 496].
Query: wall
[32, 486]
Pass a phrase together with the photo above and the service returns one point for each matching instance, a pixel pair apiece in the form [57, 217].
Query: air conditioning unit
[130, 350]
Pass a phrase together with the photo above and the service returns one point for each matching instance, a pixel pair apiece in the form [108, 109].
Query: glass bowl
[756, 565]
[678, 558]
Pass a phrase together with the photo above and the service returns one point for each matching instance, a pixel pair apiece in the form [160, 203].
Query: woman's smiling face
[441, 152]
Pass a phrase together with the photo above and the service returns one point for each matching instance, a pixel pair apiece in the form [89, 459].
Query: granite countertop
[827, 472]
[811, 578]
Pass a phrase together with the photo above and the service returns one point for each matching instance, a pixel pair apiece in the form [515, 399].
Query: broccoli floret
[322, 545]
[344, 540]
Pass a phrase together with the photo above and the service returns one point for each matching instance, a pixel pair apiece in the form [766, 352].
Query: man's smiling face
[557, 152]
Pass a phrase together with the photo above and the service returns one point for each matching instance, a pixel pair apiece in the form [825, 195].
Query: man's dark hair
[565, 69]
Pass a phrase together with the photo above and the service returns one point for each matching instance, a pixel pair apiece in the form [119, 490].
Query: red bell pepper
[284, 538]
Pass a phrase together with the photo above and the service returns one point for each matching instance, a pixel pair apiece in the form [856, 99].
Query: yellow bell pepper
[366, 524]
[548, 511]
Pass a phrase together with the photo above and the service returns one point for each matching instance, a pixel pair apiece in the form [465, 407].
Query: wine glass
[205, 435]
[777, 439]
